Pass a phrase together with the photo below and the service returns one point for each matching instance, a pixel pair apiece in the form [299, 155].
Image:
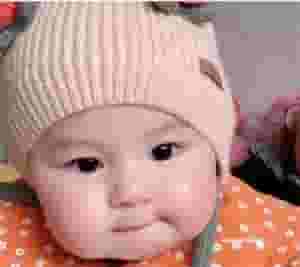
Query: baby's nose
[130, 189]
[129, 194]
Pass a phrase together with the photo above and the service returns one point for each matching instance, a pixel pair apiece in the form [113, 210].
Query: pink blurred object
[275, 118]
[239, 151]
[240, 146]
[260, 127]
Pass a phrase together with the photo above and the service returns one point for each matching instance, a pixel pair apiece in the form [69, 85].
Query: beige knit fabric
[77, 56]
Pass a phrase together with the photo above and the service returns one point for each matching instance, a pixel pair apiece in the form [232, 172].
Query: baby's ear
[292, 118]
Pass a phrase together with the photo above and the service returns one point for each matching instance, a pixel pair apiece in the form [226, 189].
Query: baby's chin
[136, 245]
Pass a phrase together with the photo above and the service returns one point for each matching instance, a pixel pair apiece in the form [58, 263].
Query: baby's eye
[85, 165]
[164, 151]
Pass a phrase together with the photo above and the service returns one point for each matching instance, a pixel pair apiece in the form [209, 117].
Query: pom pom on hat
[7, 14]
[14, 17]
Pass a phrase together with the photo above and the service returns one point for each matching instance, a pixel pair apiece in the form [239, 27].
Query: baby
[121, 120]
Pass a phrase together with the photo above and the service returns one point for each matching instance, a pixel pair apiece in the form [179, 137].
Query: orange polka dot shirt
[254, 230]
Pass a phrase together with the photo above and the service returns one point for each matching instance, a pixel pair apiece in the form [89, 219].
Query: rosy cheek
[67, 212]
[74, 233]
[190, 206]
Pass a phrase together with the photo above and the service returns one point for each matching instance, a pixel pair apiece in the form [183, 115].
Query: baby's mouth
[133, 228]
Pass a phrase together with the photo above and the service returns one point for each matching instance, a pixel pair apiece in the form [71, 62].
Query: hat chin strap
[203, 243]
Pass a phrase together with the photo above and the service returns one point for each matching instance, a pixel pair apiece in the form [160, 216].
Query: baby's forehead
[116, 123]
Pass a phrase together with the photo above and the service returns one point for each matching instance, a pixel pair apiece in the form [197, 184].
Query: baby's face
[123, 182]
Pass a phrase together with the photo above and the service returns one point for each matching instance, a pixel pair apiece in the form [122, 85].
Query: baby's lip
[130, 228]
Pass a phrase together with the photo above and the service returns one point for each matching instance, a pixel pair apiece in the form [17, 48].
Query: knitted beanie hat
[77, 56]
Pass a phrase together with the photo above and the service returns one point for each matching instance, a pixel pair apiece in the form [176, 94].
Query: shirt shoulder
[255, 227]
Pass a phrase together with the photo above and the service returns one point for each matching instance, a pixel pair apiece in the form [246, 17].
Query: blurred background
[260, 46]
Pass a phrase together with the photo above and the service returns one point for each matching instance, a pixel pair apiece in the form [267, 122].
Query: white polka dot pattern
[254, 230]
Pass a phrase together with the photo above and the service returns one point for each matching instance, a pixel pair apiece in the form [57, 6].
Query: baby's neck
[180, 256]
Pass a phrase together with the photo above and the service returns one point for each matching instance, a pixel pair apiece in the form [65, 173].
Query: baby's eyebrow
[68, 142]
[166, 128]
